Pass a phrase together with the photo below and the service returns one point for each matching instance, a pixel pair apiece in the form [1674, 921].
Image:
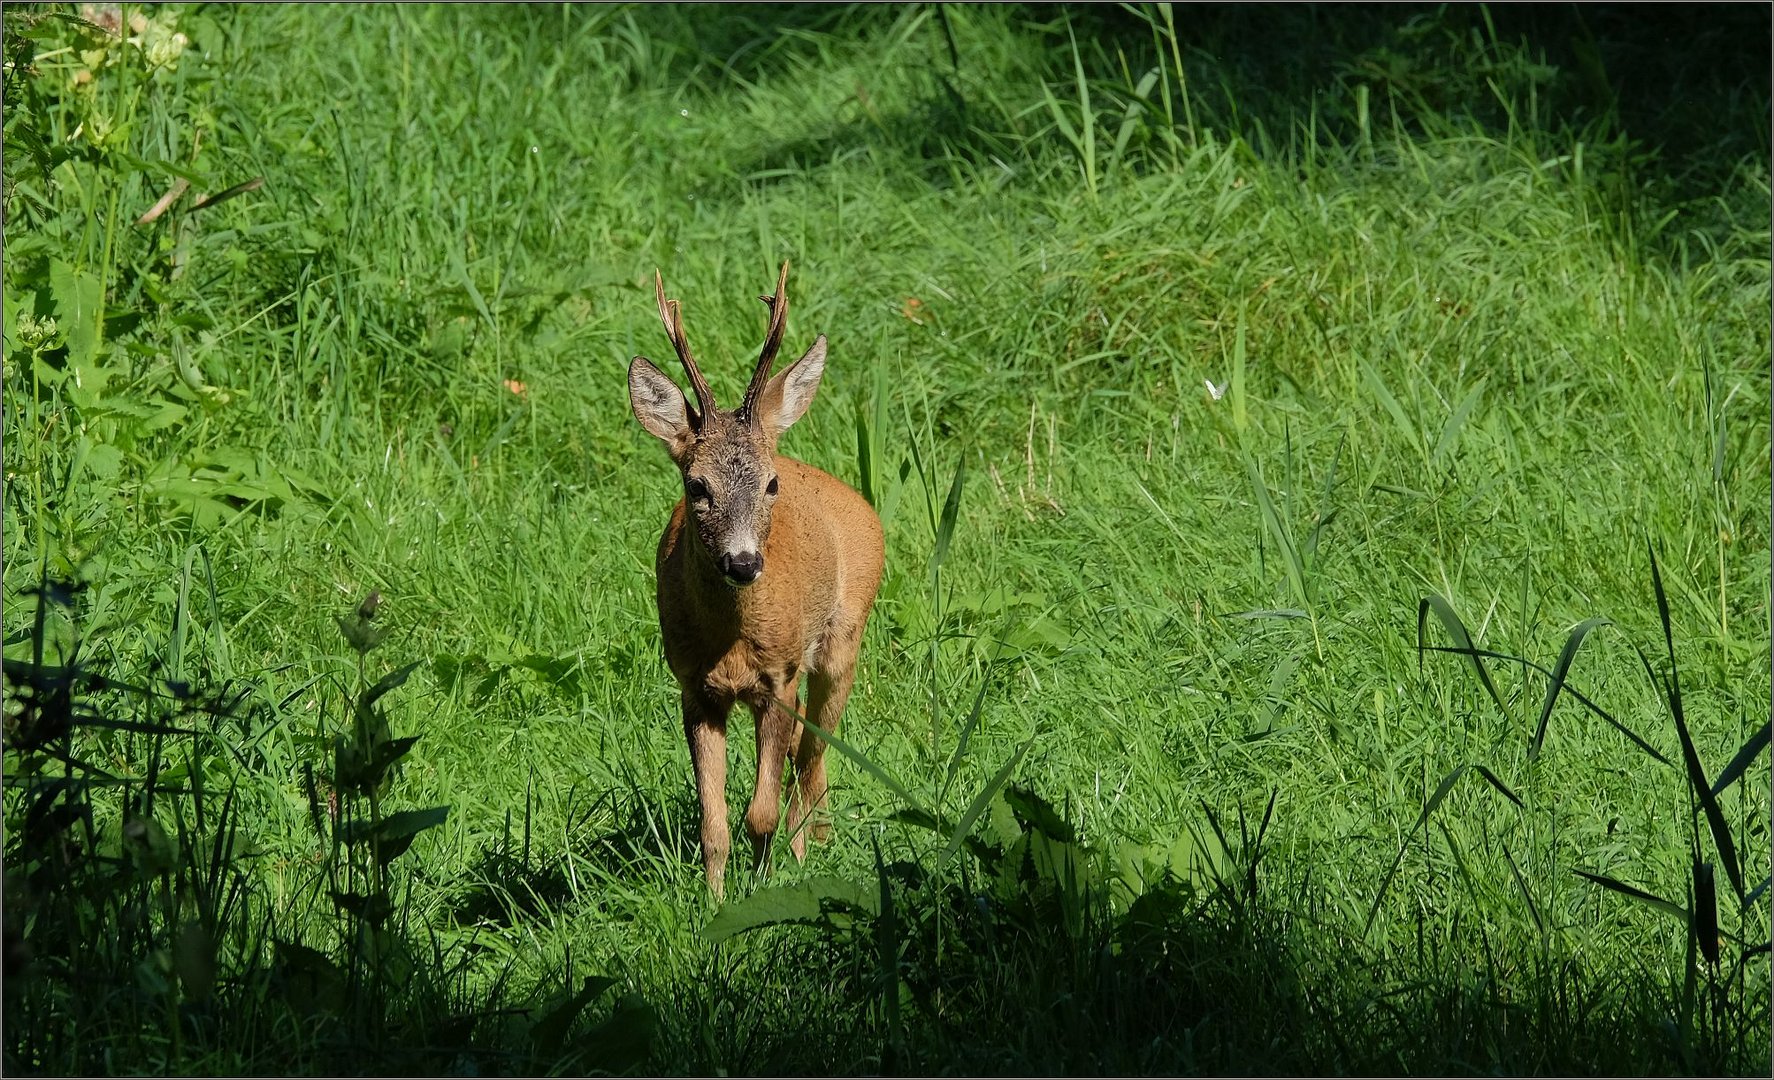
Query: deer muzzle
[741, 568]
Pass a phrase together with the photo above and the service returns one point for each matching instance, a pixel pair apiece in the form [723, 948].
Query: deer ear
[787, 395]
[659, 405]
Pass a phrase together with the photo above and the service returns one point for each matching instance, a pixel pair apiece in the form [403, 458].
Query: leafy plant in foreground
[129, 917]
[139, 937]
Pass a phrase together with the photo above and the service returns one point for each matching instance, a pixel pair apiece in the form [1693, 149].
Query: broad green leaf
[1040, 814]
[194, 960]
[808, 901]
[79, 310]
[620, 1043]
[395, 833]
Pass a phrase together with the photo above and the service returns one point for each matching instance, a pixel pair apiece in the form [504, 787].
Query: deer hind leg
[827, 691]
[705, 727]
[777, 729]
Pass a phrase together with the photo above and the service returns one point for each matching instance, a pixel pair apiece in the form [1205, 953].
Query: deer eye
[771, 487]
[696, 489]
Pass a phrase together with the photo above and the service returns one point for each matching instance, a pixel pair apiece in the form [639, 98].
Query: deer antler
[772, 342]
[671, 313]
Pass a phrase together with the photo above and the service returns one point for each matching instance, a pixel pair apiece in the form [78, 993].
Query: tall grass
[1185, 353]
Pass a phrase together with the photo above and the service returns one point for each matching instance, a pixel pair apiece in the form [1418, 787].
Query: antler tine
[672, 315]
[772, 341]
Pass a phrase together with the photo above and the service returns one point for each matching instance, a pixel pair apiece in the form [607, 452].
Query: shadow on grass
[510, 881]
[1025, 964]
[641, 833]
[1689, 82]
[137, 939]
[140, 936]
[1670, 100]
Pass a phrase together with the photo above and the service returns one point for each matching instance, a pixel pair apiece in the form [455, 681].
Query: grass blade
[1706, 911]
[1560, 671]
[1391, 405]
[1278, 531]
[460, 267]
[1086, 114]
[181, 618]
[1326, 513]
[1130, 118]
[981, 801]
[1582, 699]
[972, 721]
[1456, 630]
[1747, 753]
[1240, 404]
[865, 458]
[218, 636]
[951, 509]
[1492, 779]
[1522, 886]
[862, 759]
[223, 196]
[871, 444]
[1673, 910]
[887, 949]
[1060, 119]
[1450, 435]
[1435, 800]
[921, 818]
[1715, 818]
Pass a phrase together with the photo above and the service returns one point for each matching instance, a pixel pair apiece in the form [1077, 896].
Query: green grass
[1490, 320]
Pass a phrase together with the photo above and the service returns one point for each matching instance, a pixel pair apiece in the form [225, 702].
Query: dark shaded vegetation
[1668, 99]
[138, 928]
[1219, 956]
[1213, 956]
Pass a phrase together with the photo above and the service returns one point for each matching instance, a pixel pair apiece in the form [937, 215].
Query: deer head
[727, 459]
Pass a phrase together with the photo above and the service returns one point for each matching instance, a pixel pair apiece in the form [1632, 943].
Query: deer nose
[742, 568]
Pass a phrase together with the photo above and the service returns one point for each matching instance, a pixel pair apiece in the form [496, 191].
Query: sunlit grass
[1474, 343]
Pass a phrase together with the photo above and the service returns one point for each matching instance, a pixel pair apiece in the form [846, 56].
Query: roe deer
[767, 570]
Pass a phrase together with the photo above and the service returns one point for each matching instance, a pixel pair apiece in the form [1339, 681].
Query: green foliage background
[1239, 332]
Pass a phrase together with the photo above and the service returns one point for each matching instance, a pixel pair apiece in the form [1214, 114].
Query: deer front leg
[827, 692]
[705, 727]
[778, 723]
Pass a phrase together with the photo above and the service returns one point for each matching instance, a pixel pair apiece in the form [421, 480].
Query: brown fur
[822, 559]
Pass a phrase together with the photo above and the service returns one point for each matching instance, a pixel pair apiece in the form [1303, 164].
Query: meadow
[1324, 457]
